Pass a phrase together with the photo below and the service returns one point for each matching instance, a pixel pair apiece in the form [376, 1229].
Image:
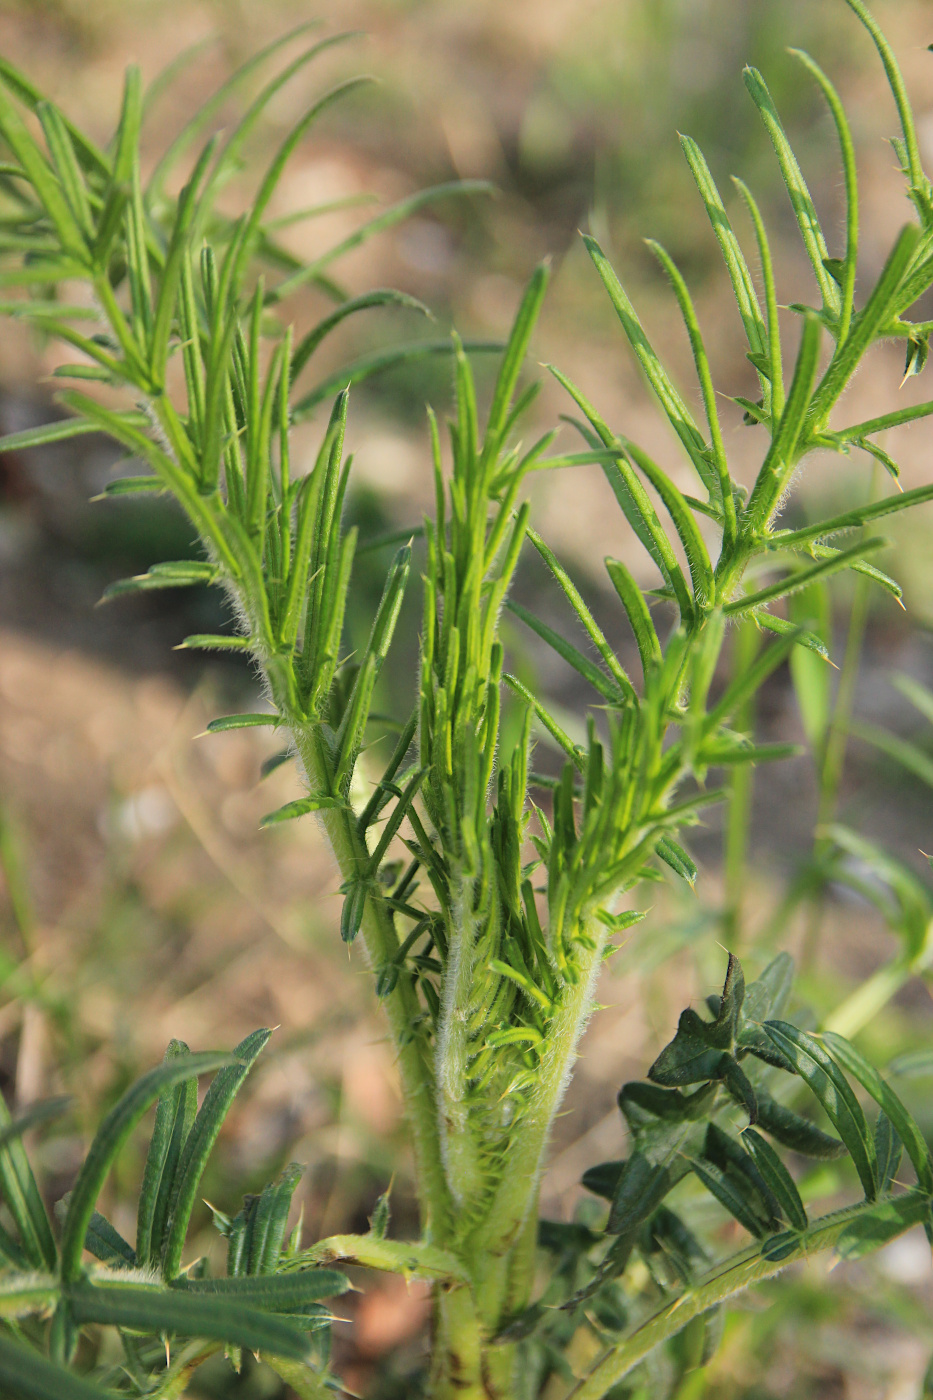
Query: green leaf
[512, 361]
[108, 1142]
[733, 1195]
[804, 578]
[919, 695]
[908, 755]
[852, 519]
[301, 807]
[677, 858]
[383, 296]
[795, 1132]
[801, 201]
[107, 1244]
[271, 1292]
[43, 1111]
[25, 1375]
[22, 1196]
[830, 1086]
[679, 415]
[588, 622]
[379, 360]
[636, 609]
[782, 454]
[268, 1233]
[743, 285]
[701, 570]
[200, 1142]
[580, 663]
[144, 1308]
[810, 674]
[854, 1063]
[225, 722]
[872, 1229]
[396, 214]
[175, 1113]
[889, 1150]
[778, 1179]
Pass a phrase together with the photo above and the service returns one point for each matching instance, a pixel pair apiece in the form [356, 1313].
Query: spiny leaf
[225, 722]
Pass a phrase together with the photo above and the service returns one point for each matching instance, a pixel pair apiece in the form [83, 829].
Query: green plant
[487, 978]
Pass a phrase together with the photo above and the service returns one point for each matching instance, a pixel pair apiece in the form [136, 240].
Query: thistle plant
[486, 896]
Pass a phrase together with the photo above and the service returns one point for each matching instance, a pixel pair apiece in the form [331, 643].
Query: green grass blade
[44, 1111]
[143, 1308]
[678, 414]
[793, 583]
[852, 1062]
[108, 1142]
[200, 1142]
[908, 755]
[91, 156]
[918, 695]
[42, 178]
[800, 198]
[831, 1087]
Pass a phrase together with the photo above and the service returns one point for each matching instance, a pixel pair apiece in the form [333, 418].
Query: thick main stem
[381, 943]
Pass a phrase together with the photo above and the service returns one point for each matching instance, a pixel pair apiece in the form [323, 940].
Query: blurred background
[140, 902]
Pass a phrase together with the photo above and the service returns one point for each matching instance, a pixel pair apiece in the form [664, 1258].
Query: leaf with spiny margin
[781, 455]
[782, 627]
[145, 1308]
[818, 1069]
[180, 573]
[107, 1244]
[778, 1179]
[109, 1140]
[636, 610]
[199, 1144]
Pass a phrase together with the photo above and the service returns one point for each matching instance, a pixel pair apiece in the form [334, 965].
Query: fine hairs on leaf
[484, 915]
